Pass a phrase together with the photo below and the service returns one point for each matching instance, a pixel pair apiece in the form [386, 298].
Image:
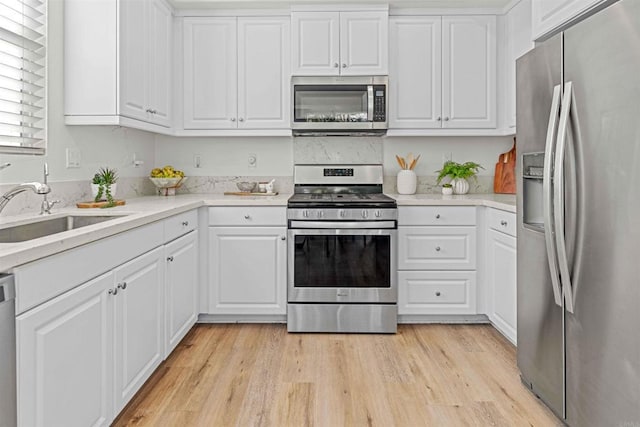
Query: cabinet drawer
[436, 248]
[179, 225]
[437, 215]
[248, 215]
[437, 292]
[502, 221]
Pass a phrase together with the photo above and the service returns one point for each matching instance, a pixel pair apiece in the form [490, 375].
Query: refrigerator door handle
[558, 198]
[547, 181]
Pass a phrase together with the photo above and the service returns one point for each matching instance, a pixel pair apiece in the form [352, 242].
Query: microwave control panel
[379, 104]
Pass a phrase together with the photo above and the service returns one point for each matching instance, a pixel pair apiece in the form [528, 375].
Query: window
[22, 76]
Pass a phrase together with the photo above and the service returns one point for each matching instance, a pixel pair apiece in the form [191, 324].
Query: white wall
[99, 146]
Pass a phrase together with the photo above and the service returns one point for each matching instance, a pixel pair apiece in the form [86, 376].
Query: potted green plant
[447, 189]
[103, 185]
[459, 173]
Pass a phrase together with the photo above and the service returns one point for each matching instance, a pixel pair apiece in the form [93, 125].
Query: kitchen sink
[47, 227]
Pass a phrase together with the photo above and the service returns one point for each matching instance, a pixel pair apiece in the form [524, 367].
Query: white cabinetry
[117, 63]
[248, 260]
[549, 15]
[236, 73]
[436, 260]
[501, 272]
[345, 43]
[519, 42]
[443, 72]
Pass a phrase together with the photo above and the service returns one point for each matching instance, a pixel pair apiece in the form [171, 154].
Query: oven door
[342, 265]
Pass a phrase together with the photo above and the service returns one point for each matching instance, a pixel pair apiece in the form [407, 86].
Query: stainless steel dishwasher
[8, 406]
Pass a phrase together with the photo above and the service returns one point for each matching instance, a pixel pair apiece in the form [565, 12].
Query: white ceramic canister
[407, 182]
[460, 186]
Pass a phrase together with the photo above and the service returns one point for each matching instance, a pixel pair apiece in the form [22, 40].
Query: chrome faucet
[36, 187]
[45, 207]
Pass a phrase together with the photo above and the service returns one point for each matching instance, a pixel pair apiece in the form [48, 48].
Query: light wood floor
[259, 375]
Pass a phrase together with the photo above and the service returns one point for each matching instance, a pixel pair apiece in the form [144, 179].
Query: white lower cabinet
[501, 279]
[139, 323]
[437, 292]
[65, 358]
[181, 256]
[248, 270]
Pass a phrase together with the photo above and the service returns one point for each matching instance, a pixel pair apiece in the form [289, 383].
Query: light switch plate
[72, 158]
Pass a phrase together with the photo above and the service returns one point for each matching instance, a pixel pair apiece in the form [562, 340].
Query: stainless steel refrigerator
[578, 122]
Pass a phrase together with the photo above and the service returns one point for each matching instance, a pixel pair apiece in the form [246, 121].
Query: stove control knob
[305, 213]
[341, 213]
[378, 213]
[365, 214]
[320, 214]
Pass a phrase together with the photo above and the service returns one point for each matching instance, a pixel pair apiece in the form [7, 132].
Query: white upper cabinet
[549, 15]
[340, 43]
[443, 72]
[469, 72]
[236, 73]
[210, 73]
[117, 61]
[415, 90]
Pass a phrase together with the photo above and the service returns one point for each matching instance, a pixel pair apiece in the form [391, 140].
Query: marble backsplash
[428, 185]
[337, 149]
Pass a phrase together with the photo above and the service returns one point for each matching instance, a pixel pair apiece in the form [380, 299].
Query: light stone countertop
[144, 210]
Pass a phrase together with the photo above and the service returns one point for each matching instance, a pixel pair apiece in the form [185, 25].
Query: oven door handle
[342, 225]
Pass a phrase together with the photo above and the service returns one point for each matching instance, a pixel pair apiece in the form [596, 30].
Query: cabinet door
[181, 280]
[160, 63]
[210, 73]
[65, 359]
[415, 93]
[501, 282]
[469, 71]
[139, 323]
[364, 42]
[548, 15]
[263, 70]
[248, 270]
[518, 43]
[316, 43]
[133, 59]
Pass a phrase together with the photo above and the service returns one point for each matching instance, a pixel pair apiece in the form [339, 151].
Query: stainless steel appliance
[578, 103]
[8, 408]
[342, 251]
[335, 106]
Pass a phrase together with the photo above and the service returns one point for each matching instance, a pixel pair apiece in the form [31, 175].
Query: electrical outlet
[196, 161]
[72, 158]
[252, 161]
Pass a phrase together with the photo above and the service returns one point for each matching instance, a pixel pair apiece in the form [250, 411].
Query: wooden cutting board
[504, 180]
[91, 205]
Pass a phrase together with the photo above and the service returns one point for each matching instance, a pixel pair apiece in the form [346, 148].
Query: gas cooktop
[341, 200]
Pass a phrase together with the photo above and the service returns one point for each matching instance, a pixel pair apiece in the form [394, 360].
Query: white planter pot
[94, 191]
[460, 186]
[447, 191]
[407, 182]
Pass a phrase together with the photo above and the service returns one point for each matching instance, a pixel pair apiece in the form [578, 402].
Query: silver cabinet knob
[122, 285]
[113, 291]
[148, 110]
[320, 214]
[335, 65]
[341, 213]
[233, 119]
[247, 216]
[185, 223]
[437, 216]
[438, 293]
[170, 258]
[503, 223]
[241, 119]
[446, 119]
[377, 213]
[305, 213]
[365, 214]
[437, 248]
[439, 118]
[283, 237]
[344, 65]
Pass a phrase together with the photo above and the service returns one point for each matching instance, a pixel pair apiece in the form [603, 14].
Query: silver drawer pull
[438, 293]
[437, 216]
[283, 238]
[170, 258]
[437, 248]
[503, 223]
[185, 223]
[113, 291]
[122, 285]
[247, 216]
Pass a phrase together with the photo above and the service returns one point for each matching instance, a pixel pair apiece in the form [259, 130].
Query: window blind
[23, 76]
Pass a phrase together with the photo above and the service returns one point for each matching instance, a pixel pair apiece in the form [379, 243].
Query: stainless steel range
[342, 251]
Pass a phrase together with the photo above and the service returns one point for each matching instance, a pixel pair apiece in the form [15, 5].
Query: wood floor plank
[259, 375]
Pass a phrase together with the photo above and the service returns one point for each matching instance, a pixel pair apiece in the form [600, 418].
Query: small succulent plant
[105, 178]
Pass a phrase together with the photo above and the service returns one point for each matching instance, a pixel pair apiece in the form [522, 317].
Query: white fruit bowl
[168, 186]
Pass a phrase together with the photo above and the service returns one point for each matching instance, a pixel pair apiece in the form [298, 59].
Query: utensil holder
[407, 182]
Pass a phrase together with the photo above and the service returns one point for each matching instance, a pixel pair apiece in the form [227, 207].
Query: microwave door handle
[370, 103]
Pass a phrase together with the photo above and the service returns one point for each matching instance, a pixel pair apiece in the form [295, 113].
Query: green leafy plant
[104, 179]
[458, 170]
[447, 185]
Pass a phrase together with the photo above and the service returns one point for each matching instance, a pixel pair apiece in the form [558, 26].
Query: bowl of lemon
[167, 180]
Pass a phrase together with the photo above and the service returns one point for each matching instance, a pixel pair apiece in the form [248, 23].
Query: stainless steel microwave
[339, 105]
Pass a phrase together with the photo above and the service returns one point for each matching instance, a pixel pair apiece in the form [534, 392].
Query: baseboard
[242, 318]
[437, 318]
